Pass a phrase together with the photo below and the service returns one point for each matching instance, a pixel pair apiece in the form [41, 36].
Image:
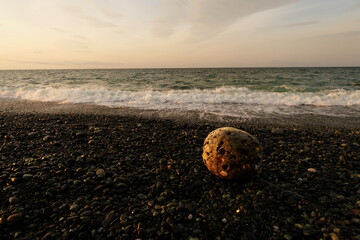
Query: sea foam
[220, 100]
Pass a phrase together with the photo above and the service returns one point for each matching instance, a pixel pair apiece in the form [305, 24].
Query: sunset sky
[41, 34]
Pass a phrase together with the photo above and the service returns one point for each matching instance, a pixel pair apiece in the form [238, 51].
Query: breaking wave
[151, 98]
[229, 101]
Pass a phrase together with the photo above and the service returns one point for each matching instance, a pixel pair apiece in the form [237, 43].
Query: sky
[43, 34]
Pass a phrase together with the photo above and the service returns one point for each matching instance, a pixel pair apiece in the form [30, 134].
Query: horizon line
[148, 68]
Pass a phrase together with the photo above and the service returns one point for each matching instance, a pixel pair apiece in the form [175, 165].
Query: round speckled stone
[230, 153]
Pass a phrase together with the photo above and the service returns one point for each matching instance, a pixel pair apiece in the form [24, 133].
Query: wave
[222, 95]
[227, 100]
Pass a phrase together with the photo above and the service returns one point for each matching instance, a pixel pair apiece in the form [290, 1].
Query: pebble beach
[81, 174]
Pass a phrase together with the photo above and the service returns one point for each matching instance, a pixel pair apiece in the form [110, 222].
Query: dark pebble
[108, 219]
[15, 218]
[150, 173]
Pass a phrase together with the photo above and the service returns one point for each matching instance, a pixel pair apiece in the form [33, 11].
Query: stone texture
[230, 153]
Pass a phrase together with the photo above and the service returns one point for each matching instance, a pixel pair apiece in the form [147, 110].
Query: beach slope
[105, 175]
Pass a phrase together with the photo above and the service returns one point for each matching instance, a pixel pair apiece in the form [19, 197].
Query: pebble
[277, 131]
[123, 217]
[87, 213]
[333, 236]
[80, 158]
[178, 228]
[15, 218]
[52, 190]
[76, 182]
[46, 138]
[13, 200]
[142, 196]
[288, 237]
[47, 236]
[298, 226]
[108, 219]
[64, 206]
[100, 173]
[27, 176]
[93, 233]
[18, 234]
[320, 204]
[74, 207]
[309, 230]
[355, 220]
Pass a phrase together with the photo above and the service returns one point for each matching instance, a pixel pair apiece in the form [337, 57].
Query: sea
[234, 92]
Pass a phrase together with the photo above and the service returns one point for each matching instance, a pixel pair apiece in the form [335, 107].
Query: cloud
[77, 12]
[109, 14]
[70, 64]
[353, 8]
[163, 27]
[98, 23]
[171, 14]
[31, 62]
[298, 24]
[76, 44]
[90, 64]
[211, 17]
[350, 34]
[356, 6]
[208, 18]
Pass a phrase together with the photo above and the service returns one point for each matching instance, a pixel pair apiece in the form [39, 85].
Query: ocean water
[237, 92]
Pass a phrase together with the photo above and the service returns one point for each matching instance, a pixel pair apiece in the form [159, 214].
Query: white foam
[224, 100]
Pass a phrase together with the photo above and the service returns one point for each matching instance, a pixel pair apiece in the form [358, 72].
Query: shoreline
[276, 120]
[76, 173]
